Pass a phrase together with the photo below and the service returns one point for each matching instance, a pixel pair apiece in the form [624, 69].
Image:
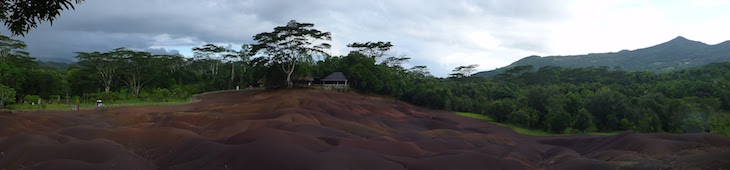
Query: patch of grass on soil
[527, 131]
[85, 106]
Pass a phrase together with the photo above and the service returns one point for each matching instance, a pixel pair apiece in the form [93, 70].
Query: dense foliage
[677, 54]
[560, 100]
[20, 16]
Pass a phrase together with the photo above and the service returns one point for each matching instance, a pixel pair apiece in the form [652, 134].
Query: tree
[105, 65]
[420, 71]
[582, 120]
[375, 50]
[138, 68]
[22, 15]
[464, 71]
[695, 122]
[236, 58]
[287, 44]
[395, 61]
[6, 93]
[11, 49]
[500, 109]
[557, 118]
[210, 54]
[521, 116]
[607, 107]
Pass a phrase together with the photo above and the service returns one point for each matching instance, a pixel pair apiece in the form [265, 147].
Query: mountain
[676, 54]
[56, 60]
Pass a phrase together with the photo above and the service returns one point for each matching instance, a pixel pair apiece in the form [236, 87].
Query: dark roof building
[336, 76]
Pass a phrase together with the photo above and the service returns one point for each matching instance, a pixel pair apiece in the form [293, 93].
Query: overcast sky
[439, 34]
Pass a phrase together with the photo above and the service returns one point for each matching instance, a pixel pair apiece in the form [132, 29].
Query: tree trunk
[288, 76]
[233, 74]
[136, 90]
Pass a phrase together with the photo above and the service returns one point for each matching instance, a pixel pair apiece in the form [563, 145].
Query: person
[99, 104]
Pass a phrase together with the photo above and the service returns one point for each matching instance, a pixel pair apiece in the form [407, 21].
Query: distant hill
[56, 60]
[679, 53]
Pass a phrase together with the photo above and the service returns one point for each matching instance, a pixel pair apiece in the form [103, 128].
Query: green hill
[679, 53]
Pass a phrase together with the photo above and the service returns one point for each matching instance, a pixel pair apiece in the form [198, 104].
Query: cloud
[162, 51]
[438, 34]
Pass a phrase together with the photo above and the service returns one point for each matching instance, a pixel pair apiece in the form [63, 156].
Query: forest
[559, 100]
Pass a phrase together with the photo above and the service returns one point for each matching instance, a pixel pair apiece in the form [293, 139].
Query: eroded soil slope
[311, 129]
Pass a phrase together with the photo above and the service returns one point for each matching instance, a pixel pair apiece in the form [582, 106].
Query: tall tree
[139, 68]
[105, 65]
[10, 48]
[375, 50]
[244, 57]
[238, 58]
[287, 44]
[420, 71]
[22, 15]
[394, 61]
[12, 52]
[582, 120]
[211, 54]
[464, 71]
[6, 93]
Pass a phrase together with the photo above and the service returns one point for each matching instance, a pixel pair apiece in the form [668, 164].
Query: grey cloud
[162, 51]
[420, 29]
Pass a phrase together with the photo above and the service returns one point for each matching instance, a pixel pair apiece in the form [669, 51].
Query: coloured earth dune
[312, 129]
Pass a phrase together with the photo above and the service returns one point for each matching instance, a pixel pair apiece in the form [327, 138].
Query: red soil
[311, 129]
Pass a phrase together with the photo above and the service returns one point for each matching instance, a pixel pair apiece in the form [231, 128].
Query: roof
[336, 76]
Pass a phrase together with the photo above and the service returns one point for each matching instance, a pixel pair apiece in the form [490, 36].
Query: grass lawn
[526, 131]
[85, 106]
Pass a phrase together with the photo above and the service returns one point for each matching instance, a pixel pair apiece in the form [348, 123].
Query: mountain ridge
[676, 54]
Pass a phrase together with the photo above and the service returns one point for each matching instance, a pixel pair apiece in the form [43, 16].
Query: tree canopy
[288, 44]
[20, 16]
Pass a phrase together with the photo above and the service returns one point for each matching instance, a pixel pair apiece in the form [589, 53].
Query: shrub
[108, 96]
[160, 95]
[694, 122]
[31, 99]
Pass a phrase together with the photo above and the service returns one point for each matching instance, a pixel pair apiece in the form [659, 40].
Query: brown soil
[311, 129]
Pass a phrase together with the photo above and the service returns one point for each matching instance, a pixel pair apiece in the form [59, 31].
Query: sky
[435, 33]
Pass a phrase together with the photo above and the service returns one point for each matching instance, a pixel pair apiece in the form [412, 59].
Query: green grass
[86, 106]
[526, 131]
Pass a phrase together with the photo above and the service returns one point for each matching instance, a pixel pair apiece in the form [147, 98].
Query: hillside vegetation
[679, 53]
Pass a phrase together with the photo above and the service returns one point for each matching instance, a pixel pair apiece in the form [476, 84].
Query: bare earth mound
[311, 129]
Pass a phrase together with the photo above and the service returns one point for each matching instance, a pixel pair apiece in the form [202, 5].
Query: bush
[179, 93]
[55, 97]
[160, 95]
[694, 122]
[720, 124]
[108, 96]
[76, 100]
[31, 99]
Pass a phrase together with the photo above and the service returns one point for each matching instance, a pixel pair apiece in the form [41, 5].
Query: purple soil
[311, 129]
